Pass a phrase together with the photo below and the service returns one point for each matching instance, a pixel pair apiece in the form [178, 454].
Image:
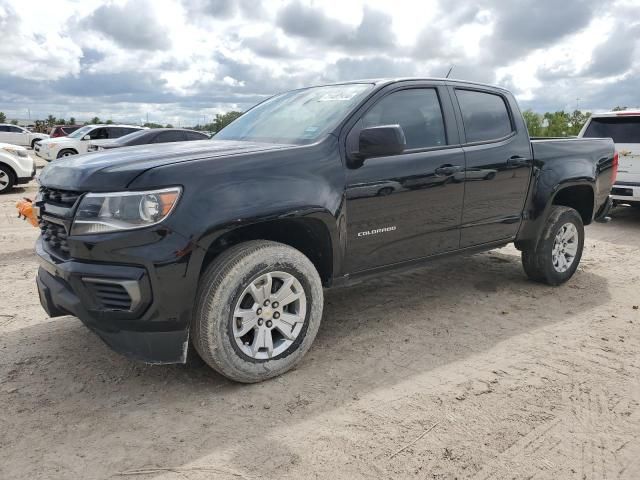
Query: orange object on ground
[25, 210]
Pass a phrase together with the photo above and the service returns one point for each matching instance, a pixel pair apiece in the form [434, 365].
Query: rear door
[498, 164]
[624, 129]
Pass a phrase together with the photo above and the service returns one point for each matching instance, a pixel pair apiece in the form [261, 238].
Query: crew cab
[78, 142]
[223, 246]
[624, 128]
[16, 135]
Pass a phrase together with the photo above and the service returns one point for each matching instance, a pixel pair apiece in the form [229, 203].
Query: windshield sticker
[337, 96]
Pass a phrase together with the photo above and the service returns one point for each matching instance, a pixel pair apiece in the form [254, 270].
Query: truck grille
[55, 214]
[55, 237]
[63, 198]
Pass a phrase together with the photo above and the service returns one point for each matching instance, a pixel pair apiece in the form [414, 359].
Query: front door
[406, 206]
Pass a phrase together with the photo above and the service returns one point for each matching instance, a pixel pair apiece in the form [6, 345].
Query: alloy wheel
[269, 315]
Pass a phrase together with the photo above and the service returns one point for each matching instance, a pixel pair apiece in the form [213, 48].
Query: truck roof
[618, 113]
[390, 80]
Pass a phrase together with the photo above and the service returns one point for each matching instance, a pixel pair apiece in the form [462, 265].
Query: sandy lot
[460, 370]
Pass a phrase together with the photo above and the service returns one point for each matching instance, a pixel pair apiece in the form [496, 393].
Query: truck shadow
[72, 394]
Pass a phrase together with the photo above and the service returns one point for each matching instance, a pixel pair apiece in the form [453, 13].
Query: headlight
[111, 212]
[18, 152]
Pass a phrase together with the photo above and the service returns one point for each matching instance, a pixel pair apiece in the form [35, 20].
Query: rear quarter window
[485, 116]
[620, 129]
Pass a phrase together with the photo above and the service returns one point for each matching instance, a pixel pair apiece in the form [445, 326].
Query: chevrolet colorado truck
[224, 246]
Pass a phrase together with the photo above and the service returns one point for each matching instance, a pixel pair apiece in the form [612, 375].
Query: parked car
[78, 141]
[226, 245]
[16, 166]
[145, 137]
[16, 135]
[63, 130]
[624, 128]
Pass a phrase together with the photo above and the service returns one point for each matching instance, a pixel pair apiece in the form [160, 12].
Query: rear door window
[621, 129]
[485, 116]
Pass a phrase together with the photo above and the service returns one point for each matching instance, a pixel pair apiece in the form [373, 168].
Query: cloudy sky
[183, 61]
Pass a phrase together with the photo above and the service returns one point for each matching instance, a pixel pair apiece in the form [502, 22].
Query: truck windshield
[298, 117]
[620, 129]
[81, 132]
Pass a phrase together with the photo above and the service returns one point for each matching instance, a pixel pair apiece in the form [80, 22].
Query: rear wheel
[558, 252]
[7, 179]
[259, 308]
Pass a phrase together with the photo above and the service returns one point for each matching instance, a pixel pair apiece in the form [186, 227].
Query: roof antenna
[450, 70]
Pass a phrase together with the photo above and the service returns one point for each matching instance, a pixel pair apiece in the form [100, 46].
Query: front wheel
[258, 310]
[558, 252]
[66, 153]
[7, 179]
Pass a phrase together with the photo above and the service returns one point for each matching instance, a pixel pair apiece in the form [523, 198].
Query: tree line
[220, 121]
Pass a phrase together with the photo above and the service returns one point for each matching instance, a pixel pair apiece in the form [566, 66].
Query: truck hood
[112, 170]
[57, 141]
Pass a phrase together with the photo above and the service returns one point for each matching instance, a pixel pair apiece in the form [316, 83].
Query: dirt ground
[463, 369]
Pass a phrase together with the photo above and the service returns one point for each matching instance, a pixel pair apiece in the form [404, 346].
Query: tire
[66, 153]
[544, 265]
[385, 191]
[33, 143]
[7, 179]
[225, 290]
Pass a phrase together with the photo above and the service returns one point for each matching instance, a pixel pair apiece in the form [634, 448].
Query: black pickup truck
[224, 245]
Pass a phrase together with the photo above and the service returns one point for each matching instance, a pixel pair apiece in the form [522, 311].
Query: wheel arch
[71, 149]
[580, 197]
[311, 236]
[577, 195]
[11, 169]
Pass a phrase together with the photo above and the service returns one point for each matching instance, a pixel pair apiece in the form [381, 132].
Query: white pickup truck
[624, 128]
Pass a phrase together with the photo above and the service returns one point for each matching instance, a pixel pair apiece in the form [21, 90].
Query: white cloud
[179, 61]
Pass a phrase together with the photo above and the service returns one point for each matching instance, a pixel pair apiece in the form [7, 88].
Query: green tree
[72, 121]
[557, 124]
[61, 121]
[618, 109]
[14, 122]
[152, 125]
[577, 121]
[109, 122]
[168, 125]
[224, 119]
[51, 120]
[95, 120]
[534, 123]
[3, 117]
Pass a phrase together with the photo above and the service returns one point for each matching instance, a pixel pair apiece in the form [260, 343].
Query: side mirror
[381, 141]
[86, 137]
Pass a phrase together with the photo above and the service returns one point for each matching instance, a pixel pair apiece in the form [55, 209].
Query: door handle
[517, 161]
[446, 170]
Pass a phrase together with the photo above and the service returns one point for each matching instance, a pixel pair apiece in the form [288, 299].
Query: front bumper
[44, 153]
[626, 192]
[142, 327]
